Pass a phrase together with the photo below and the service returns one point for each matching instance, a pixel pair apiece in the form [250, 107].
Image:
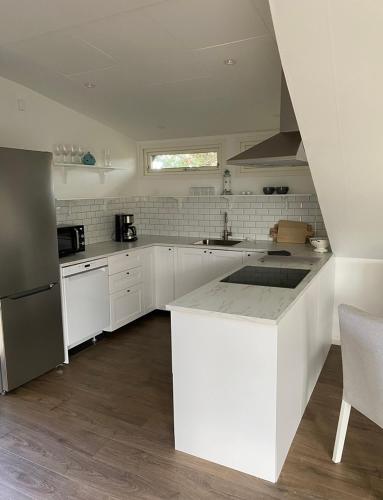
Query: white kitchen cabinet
[251, 420]
[126, 305]
[131, 286]
[125, 279]
[141, 280]
[164, 275]
[125, 261]
[148, 299]
[222, 261]
[191, 269]
[197, 266]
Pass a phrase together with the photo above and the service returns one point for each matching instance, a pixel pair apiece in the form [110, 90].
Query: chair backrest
[362, 355]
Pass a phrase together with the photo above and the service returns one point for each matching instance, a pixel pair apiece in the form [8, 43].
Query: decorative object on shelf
[282, 189]
[268, 190]
[58, 153]
[80, 154]
[320, 244]
[88, 159]
[107, 157]
[68, 154]
[77, 153]
[227, 182]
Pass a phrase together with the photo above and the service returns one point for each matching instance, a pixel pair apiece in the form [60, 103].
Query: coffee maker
[125, 231]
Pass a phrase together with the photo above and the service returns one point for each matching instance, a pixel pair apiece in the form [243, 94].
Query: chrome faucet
[226, 232]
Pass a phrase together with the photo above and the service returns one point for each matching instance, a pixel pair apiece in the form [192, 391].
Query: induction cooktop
[281, 277]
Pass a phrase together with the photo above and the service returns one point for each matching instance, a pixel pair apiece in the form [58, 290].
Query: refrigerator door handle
[34, 291]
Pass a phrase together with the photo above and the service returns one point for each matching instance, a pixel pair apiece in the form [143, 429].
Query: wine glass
[74, 153]
[58, 152]
[80, 152]
[107, 157]
[65, 150]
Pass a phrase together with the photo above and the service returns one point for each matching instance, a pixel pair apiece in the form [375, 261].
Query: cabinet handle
[170, 249]
[87, 265]
[210, 252]
[127, 255]
[127, 291]
[205, 251]
[128, 272]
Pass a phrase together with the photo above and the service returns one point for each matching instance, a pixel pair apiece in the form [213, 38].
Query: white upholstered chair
[361, 338]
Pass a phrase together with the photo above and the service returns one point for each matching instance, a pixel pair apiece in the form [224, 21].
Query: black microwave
[71, 239]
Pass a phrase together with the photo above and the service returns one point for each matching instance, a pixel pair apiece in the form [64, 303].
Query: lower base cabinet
[145, 279]
[164, 276]
[125, 306]
[131, 286]
[148, 299]
[195, 267]
[191, 269]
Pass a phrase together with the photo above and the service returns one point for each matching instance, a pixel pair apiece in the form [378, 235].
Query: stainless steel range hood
[283, 149]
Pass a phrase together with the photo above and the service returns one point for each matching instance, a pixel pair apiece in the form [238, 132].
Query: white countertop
[258, 303]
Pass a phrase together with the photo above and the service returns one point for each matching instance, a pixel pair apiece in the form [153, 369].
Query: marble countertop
[106, 248]
[261, 304]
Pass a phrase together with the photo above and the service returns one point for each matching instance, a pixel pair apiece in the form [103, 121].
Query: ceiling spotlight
[230, 61]
[89, 85]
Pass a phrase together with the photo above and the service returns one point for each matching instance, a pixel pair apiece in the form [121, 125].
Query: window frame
[148, 153]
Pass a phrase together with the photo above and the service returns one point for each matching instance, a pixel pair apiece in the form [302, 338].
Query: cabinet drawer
[125, 306]
[125, 279]
[124, 261]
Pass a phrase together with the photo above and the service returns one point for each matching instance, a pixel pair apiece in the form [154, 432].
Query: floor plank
[102, 428]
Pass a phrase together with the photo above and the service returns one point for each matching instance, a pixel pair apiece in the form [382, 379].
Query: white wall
[159, 184]
[331, 56]
[45, 123]
[358, 282]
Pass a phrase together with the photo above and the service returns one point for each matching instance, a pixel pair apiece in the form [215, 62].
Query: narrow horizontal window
[182, 160]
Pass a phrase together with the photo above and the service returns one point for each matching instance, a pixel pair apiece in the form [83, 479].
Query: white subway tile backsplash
[249, 217]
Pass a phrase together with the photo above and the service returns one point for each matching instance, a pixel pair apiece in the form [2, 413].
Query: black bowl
[268, 190]
[282, 189]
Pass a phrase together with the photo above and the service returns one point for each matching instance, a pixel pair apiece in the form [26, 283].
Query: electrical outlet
[21, 104]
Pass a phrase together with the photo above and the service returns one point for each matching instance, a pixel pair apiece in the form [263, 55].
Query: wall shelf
[229, 198]
[177, 196]
[102, 171]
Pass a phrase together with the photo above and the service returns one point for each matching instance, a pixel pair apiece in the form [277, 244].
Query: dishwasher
[85, 293]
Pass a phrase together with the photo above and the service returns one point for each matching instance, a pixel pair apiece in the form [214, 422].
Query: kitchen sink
[224, 243]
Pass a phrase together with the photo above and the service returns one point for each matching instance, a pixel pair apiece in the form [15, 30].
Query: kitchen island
[245, 361]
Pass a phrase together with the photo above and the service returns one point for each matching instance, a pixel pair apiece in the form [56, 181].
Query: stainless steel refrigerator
[31, 334]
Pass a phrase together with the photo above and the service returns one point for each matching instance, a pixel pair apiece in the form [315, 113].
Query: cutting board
[293, 232]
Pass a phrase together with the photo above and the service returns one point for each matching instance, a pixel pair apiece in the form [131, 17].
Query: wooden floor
[102, 429]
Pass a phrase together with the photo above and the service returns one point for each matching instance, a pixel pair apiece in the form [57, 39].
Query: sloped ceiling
[158, 65]
[331, 53]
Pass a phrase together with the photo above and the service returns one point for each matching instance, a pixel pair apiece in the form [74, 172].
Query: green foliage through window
[206, 159]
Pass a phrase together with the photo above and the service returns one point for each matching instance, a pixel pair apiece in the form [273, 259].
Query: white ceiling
[157, 64]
